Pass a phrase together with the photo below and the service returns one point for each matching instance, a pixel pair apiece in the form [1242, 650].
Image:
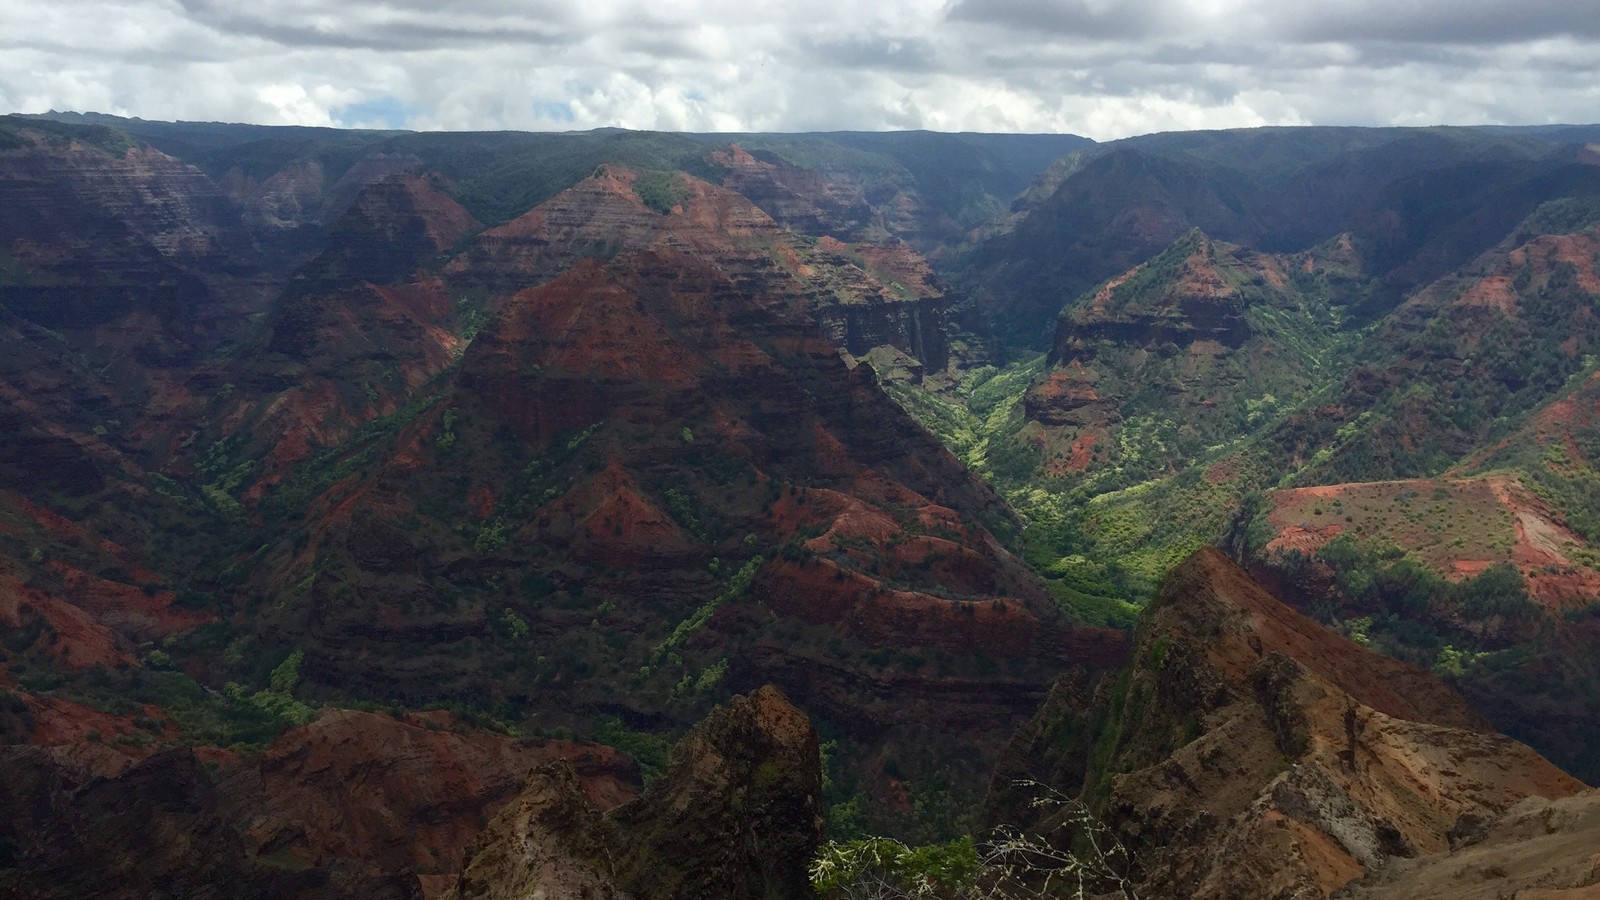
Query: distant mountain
[929, 187]
[570, 438]
[1389, 423]
[1416, 202]
[589, 469]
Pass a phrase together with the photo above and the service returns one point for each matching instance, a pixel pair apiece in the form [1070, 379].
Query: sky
[1100, 68]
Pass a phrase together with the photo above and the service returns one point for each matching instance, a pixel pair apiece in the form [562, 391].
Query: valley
[753, 491]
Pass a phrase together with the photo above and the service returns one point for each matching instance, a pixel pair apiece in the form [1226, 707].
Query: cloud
[383, 26]
[1105, 68]
[1479, 22]
[1084, 18]
[874, 52]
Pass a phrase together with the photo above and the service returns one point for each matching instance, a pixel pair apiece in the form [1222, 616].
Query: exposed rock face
[547, 842]
[1110, 214]
[1507, 523]
[1539, 850]
[371, 791]
[122, 267]
[392, 228]
[689, 472]
[355, 333]
[62, 188]
[74, 601]
[799, 199]
[862, 297]
[736, 814]
[98, 234]
[1504, 338]
[1248, 752]
[1179, 297]
[155, 831]
[1169, 344]
[604, 215]
[1122, 203]
[354, 804]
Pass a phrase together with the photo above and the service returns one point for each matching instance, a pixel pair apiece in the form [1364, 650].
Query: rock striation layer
[736, 814]
[1249, 752]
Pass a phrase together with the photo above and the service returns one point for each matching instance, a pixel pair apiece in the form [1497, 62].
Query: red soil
[80, 642]
[396, 793]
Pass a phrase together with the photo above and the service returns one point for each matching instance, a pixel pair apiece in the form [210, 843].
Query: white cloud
[292, 104]
[1096, 67]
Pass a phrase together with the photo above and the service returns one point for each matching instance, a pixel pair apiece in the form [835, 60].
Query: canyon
[630, 514]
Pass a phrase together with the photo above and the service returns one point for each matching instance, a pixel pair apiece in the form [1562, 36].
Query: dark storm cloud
[1081, 18]
[1414, 22]
[875, 53]
[383, 26]
[1482, 22]
[664, 47]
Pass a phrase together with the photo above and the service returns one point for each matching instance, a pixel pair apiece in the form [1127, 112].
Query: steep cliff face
[393, 227]
[1464, 439]
[155, 830]
[1538, 850]
[547, 842]
[102, 232]
[1419, 205]
[1113, 212]
[862, 295]
[736, 814]
[290, 209]
[354, 336]
[925, 188]
[670, 486]
[354, 804]
[120, 268]
[1249, 752]
[1495, 340]
[1176, 355]
[799, 199]
[604, 215]
[428, 786]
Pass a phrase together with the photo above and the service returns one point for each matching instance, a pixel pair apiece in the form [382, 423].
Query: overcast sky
[1102, 68]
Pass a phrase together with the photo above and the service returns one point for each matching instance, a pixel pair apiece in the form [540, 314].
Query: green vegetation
[276, 702]
[738, 583]
[1075, 855]
[334, 464]
[649, 750]
[878, 867]
[112, 141]
[1385, 597]
[661, 191]
[1565, 215]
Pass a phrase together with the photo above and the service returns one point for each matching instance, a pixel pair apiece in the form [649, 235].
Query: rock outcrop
[355, 333]
[735, 814]
[354, 804]
[1539, 850]
[1194, 345]
[862, 296]
[1249, 752]
[157, 830]
[735, 502]
[383, 794]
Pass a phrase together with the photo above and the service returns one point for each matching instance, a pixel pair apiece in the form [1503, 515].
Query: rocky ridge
[1249, 752]
[736, 813]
